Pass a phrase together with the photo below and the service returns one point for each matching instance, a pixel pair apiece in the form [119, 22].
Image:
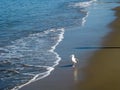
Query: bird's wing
[77, 60]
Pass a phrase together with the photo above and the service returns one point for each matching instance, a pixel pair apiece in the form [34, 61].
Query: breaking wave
[30, 58]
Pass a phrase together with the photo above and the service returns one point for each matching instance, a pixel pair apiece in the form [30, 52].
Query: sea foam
[83, 8]
[83, 4]
[33, 56]
[49, 69]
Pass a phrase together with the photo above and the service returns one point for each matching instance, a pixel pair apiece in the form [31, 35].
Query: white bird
[74, 60]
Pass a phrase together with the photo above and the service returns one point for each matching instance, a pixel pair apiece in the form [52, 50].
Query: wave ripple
[29, 58]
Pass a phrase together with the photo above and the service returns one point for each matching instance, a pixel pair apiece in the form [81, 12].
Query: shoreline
[104, 70]
[66, 78]
[115, 30]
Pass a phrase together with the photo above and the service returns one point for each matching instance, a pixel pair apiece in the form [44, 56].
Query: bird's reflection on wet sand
[75, 74]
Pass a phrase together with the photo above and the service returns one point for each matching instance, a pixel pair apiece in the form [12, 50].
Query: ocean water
[30, 30]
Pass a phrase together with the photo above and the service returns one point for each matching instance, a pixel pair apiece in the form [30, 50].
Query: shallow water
[29, 33]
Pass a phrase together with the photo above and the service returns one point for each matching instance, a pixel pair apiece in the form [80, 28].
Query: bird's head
[72, 55]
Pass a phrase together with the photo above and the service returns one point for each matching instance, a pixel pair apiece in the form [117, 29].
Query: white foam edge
[47, 73]
[83, 4]
[84, 19]
[35, 78]
[61, 36]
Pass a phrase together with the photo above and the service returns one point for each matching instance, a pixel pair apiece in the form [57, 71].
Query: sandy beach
[103, 70]
[103, 73]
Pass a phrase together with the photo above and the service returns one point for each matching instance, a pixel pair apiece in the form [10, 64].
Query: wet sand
[103, 73]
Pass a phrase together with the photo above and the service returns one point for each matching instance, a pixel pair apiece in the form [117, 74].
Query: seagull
[74, 60]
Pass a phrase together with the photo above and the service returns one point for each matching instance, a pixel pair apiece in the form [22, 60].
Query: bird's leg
[73, 65]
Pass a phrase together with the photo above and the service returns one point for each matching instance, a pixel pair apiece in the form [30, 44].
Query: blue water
[30, 30]
[19, 18]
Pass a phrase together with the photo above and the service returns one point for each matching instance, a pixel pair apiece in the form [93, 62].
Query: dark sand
[103, 73]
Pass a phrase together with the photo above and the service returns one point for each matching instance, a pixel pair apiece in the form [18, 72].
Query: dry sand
[103, 73]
